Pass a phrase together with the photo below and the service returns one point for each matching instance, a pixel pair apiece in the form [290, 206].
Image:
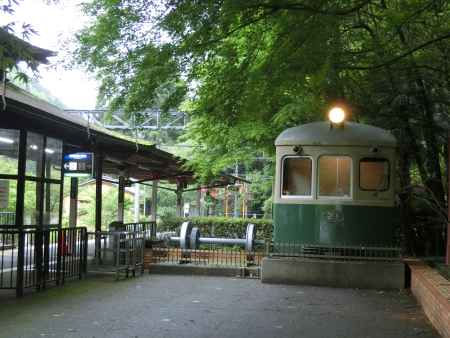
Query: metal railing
[7, 217]
[147, 228]
[120, 252]
[39, 257]
[212, 256]
[344, 252]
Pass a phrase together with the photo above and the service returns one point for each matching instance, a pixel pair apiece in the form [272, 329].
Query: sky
[56, 25]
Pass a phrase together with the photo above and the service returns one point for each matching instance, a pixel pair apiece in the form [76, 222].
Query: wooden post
[199, 201]
[179, 199]
[121, 200]
[154, 204]
[73, 206]
[98, 161]
[226, 202]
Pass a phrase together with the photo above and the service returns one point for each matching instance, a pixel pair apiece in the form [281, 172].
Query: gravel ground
[192, 306]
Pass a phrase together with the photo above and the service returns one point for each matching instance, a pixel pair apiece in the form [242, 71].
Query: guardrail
[39, 257]
[344, 252]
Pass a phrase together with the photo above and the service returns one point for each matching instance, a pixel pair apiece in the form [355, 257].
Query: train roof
[322, 134]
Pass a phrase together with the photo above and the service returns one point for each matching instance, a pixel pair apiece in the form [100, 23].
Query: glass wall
[41, 174]
[8, 192]
[31, 203]
[9, 154]
[53, 155]
[9, 151]
[35, 160]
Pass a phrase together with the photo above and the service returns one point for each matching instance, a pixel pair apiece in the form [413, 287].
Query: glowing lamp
[336, 115]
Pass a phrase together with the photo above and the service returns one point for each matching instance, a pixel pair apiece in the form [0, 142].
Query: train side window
[297, 176]
[335, 176]
[374, 174]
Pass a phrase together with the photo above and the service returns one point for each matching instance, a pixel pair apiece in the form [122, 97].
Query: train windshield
[335, 176]
[297, 174]
[374, 174]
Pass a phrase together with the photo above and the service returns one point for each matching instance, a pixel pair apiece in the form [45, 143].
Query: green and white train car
[335, 186]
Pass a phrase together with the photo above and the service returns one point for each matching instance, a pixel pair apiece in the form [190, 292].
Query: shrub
[219, 226]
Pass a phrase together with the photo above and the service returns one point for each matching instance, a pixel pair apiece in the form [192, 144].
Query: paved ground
[183, 306]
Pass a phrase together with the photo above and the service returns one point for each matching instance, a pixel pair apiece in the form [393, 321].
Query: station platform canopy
[135, 159]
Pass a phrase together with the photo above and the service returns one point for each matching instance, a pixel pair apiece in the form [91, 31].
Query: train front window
[297, 174]
[374, 174]
[335, 176]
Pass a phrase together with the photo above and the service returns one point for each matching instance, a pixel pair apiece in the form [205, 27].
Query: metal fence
[39, 257]
[119, 252]
[147, 228]
[7, 217]
[295, 249]
[212, 256]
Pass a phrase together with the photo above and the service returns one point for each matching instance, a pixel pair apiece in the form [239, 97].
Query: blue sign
[78, 164]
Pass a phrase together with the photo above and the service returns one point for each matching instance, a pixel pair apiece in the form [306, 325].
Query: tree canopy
[14, 49]
[246, 70]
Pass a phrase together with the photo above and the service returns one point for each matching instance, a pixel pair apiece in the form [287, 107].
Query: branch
[307, 8]
[270, 9]
[401, 56]
[234, 30]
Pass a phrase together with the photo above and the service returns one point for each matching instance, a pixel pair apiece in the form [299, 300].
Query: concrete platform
[167, 306]
[333, 273]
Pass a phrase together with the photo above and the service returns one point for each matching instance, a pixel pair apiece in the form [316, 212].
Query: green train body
[335, 186]
[338, 225]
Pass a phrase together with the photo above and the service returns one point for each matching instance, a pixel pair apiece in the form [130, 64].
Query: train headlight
[336, 115]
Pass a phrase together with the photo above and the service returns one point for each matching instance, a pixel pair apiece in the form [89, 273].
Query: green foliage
[253, 68]
[14, 49]
[220, 226]
[167, 201]
[261, 190]
[86, 206]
